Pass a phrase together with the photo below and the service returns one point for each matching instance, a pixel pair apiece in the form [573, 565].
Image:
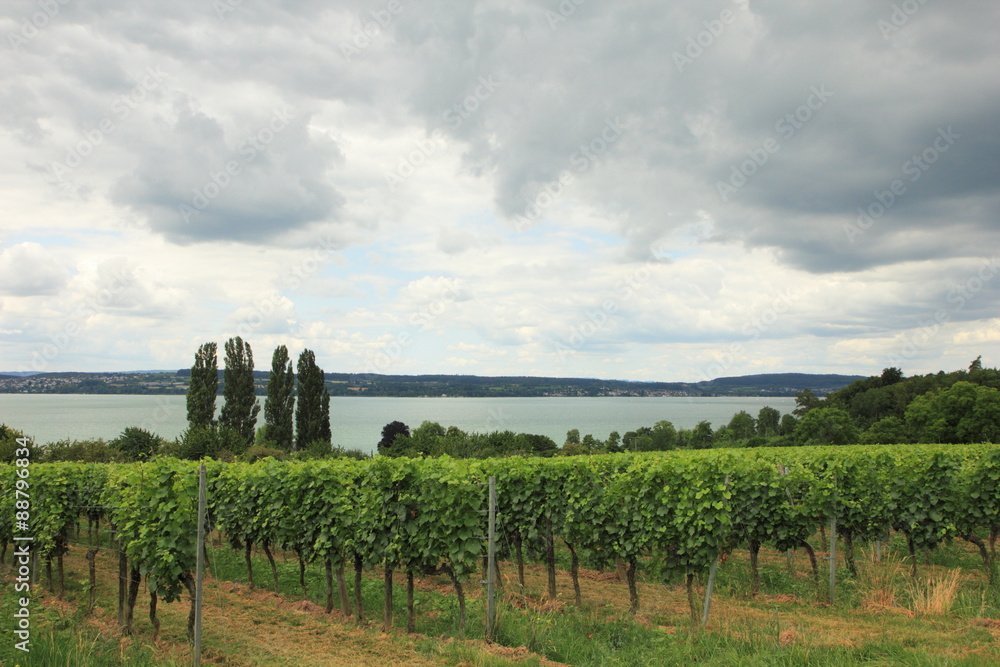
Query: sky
[640, 190]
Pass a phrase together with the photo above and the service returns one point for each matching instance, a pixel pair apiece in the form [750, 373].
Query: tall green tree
[768, 422]
[742, 426]
[826, 426]
[702, 435]
[312, 412]
[279, 406]
[203, 387]
[805, 401]
[239, 411]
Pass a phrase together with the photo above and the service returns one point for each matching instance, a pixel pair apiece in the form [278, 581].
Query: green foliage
[963, 413]
[805, 401]
[743, 426]
[768, 422]
[84, 451]
[312, 412]
[684, 509]
[279, 406]
[215, 441]
[203, 387]
[826, 426]
[701, 436]
[9, 444]
[239, 411]
[136, 444]
[885, 431]
[386, 445]
[154, 507]
[258, 452]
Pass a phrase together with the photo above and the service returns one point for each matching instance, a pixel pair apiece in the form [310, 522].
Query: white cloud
[594, 123]
[28, 269]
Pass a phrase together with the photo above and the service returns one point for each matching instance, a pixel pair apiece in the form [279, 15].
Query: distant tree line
[958, 407]
[432, 439]
[938, 408]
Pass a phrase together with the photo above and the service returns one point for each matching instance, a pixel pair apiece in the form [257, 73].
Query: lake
[357, 422]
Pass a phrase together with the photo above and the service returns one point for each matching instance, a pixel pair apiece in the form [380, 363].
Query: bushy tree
[701, 436]
[136, 444]
[203, 386]
[768, 422]
[826, 426]
[742, 426]
[9, 444]
[963, 413]
[541, 445]
[889, 430]
[663, 436]
[805, 401]
[389, 433]
[279, 406]
[83, 451]
[788, 424]
[240, 408]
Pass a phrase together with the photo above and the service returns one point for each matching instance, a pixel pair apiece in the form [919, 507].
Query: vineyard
[675, 514]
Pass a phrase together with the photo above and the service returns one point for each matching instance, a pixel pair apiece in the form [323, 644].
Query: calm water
[358, 422]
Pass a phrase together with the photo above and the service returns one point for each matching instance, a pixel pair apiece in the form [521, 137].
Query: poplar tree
[203, 387]
[279, 407]
[239, 412]
[312, 411]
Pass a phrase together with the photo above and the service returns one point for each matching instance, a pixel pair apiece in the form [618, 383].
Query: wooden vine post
[200, 566]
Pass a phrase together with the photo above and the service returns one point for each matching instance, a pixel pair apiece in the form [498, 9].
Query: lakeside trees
[890, 408]
[203, 387]
[312, 412]
[240, 408]
[279, 407]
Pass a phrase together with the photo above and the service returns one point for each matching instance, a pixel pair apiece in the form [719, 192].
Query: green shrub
[137, 444]
[258, 452]
[9, 444]
[84, 451]
[215, 441]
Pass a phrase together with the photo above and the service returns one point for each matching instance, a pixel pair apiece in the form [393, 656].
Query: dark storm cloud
[696, 113]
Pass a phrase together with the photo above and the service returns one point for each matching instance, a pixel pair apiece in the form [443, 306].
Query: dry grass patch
[935, 595]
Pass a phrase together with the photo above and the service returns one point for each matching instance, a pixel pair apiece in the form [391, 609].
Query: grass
[881, 617]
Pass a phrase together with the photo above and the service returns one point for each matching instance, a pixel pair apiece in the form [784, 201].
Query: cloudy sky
[633, 189]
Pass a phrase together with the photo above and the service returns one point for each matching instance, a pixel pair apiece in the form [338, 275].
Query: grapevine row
[682, 510]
